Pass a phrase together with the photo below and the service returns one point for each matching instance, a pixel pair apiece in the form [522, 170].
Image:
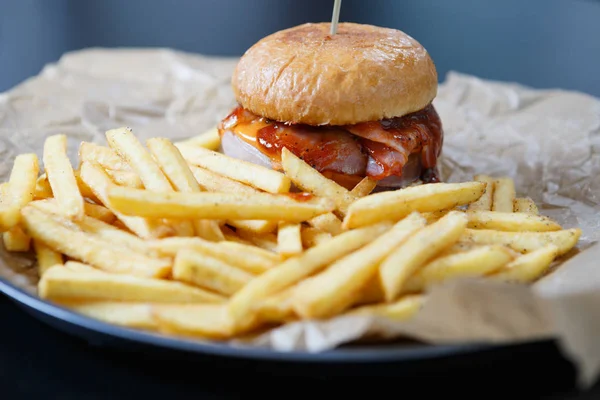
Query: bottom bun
[233, 146]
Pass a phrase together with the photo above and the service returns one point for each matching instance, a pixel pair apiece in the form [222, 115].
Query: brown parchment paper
[547, 140]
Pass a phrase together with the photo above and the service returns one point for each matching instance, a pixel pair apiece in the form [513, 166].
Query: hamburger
[354, 104]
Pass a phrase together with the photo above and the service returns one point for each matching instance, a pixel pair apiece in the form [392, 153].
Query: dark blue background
[542, 43]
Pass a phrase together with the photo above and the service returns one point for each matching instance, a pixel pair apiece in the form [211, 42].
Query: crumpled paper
[547, 140]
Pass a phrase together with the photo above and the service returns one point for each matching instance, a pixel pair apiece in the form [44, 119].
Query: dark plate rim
[360, 354]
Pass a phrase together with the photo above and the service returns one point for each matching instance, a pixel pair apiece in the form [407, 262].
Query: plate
[103, 334]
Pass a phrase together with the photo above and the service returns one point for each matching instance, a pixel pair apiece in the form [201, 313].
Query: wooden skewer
[336, 16]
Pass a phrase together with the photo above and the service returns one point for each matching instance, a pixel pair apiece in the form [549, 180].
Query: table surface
[36, 360]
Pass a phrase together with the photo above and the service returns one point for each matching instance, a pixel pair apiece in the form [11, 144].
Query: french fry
[246, 257]
[88, 248]
[504, 195]
[177, 171]
[394, 205]
[327, 222]
[94, 176]
[208, 321]
[209, 139]
[417, 250]
[77, 266]
[289, 239]
[99, 212]
[213, 182]
[60, 283]
[127, 314]
[528, 267]
[310, 180]
[476, 262]
[213, 205]
[276, 308]
[293, 270]
[266, 241]
[105, 156]
[85, 190]
[46, 257]
[125, 178]
[312, 236]
[484, 203]
[19, 191]
[200, 269]
[525, 205]
[130, 149]
[16, 240]
[400, 310]
[242, 171]
[338, 286]
[99, 228]
[61, 177]
[364, 187]
[42, 188]
[513, 221]
[525, 242]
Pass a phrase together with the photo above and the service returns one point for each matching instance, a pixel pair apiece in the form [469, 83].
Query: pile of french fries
[180, 239]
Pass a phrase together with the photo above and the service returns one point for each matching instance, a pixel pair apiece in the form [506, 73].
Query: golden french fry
[252, 174]
[394, 205]
[125, 178]
[85, 190]
[246, 257]
[77, 266]
[327, 222]
[208, 229]
[99, 228]
[528, 267]
[177, 171]
[209, 321]
[364, 187]
[504, 195]
[61, 177]
[400, 310]
[310, 180]
[103, 254]
[209, 139]
[213, 205]
[105, 156]
[61, 283]
[94, 176]
[513, 221]
[293, 270]
[213, 182]
[266, 241]
[130, 149]
[19, 191]
[276, 308]
[16, 240]
[128, 314]
[99, 212]
[417, 250]
[289, 239]
[525, 205]
[43, 189]
[46, 257]
[484, 203]
[338, 286]
[476, 262]
[312, 236]
[524, 242]
[200, 269]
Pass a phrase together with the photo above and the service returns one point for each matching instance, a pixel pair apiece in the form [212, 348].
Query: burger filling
[394, 152]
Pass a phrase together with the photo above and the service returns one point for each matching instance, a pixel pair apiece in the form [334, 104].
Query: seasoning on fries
[179, 239]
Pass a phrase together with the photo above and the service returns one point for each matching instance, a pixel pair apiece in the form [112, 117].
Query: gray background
[541, 43]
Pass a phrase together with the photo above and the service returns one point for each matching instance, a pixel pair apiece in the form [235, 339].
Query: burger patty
[392, 151]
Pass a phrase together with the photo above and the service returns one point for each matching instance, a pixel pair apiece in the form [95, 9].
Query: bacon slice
[394, 151]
